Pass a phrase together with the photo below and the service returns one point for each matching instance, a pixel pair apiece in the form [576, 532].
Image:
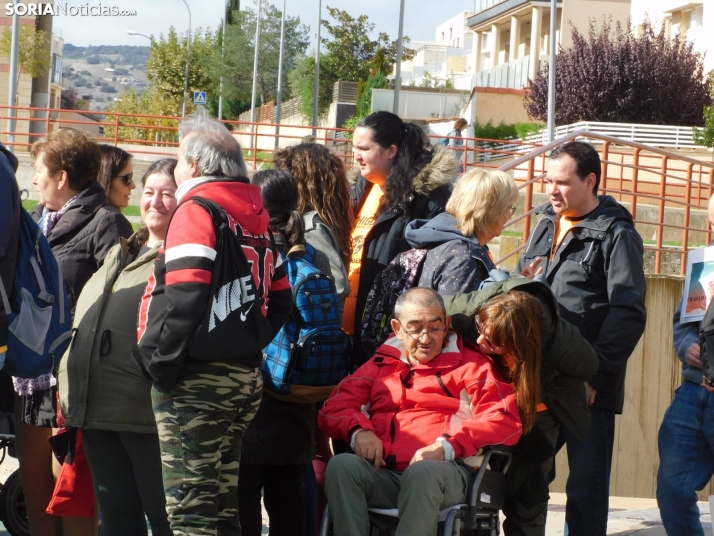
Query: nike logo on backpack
[230, 297]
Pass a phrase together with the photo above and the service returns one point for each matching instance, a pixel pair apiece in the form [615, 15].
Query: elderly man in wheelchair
[414, 415]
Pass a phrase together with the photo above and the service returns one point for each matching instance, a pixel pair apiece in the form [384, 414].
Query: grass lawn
[29, 204]
[131, 210]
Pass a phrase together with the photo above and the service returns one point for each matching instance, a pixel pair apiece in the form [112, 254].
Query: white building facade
[512, 37]
[445, 59]
[693, 18]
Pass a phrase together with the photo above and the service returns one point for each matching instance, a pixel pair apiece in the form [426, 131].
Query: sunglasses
[127, 178]
[479, 328]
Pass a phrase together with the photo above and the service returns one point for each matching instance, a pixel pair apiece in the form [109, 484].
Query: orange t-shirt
[563, 226]
[364, 223]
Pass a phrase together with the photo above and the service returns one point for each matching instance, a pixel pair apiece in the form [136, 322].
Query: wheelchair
[477, 516]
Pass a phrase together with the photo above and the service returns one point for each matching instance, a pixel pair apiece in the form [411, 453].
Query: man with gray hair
[203, 401]
[413, 415]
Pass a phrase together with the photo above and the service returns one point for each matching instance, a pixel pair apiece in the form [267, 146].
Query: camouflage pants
[201, 424]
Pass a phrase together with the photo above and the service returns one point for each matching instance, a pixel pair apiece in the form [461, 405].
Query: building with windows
[512, 37]
[445, 60]
[694, 18]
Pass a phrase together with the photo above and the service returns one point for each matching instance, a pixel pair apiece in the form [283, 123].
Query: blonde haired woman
[478, 209]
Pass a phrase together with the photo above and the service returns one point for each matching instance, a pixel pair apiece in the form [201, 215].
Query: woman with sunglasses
[116, 175]
[478, 209]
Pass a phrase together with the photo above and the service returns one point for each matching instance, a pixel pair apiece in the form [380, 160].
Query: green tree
[705, 136]
[302, 83]
[151, 102]
[622, 76]
[236, 64]
[34, 54]
[350, 44]
[350, 56]
[166, 66]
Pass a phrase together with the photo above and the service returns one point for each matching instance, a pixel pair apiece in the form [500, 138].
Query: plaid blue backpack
[310, 353]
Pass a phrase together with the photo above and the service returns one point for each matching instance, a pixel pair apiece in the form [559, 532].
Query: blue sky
[155, 17]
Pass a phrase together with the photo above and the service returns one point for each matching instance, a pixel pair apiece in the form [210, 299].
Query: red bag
[74, 490]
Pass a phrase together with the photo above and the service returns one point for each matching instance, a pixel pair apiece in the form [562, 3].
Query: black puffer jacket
[84, 235]
[432, 188]
[455, 263]
[598, 278]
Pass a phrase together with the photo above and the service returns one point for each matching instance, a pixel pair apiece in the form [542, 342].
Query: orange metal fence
[151, 134]
[666, 192]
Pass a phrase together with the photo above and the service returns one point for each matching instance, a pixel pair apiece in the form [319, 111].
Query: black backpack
[706, 344]
[394, 280]
[233, 325]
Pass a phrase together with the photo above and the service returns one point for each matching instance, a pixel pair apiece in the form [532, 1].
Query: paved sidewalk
[627, 516]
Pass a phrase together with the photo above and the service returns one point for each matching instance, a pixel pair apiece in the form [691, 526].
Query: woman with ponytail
[280, 439]
[324, 202]
[402, 178]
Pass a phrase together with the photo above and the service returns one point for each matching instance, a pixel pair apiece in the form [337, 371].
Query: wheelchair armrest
[496, 461]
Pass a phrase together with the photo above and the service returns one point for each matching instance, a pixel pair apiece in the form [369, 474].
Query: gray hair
[422, 296]
[216, 152]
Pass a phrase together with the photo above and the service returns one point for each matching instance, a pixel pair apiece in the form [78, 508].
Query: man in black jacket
[593, 259]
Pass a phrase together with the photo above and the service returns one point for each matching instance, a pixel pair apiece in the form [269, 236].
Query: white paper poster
[698, 285]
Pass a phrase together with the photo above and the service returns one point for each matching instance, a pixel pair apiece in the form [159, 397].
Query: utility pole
[188, 61]
[316, 92]
[398, 70]
[551, 71]
[279, 107]
[223, 55]
[14, 69]
[255, 72]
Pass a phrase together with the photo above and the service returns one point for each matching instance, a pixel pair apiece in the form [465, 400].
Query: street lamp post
[398, 69]
[132, 32]
[223, 55]
[14, 70]
[254, 97]
[188, 59]
[279, 107]
[316, 92]
[551, 71]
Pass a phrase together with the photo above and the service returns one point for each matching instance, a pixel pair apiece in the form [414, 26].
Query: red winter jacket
[458, 395]
[177, 294]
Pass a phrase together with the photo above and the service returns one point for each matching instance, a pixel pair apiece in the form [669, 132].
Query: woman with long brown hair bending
[511, 327]
[517, 322]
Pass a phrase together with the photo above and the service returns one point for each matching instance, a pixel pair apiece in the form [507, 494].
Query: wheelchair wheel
[13, 512]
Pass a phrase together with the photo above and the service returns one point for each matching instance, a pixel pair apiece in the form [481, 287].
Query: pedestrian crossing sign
[200, 98]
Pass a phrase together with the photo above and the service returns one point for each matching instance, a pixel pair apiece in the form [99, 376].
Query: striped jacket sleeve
[189, 252]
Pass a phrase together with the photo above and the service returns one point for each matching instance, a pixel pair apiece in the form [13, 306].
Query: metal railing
[665, 192]
[657, 135]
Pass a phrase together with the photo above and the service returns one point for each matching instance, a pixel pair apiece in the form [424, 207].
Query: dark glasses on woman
[126, 178]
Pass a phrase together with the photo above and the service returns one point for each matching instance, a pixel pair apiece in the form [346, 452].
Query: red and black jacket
[177, 294]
